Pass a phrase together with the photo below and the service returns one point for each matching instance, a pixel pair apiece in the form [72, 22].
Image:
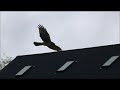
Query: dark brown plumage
[46, 39]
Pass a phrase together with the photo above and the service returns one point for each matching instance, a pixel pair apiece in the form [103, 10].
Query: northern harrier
[46, 39]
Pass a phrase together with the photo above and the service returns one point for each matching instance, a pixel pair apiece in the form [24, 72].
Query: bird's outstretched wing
[44, 34]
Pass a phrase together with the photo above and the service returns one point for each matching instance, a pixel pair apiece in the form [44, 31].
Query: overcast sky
[69, 30]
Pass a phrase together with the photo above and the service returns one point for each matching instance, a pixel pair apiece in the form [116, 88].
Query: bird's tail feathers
[38, 43]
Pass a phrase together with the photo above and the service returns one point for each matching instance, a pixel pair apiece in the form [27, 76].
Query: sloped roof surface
[88, 64]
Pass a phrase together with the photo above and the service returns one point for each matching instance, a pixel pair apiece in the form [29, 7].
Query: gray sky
[69, 30]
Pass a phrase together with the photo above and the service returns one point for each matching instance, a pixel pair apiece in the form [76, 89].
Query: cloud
[69, 30]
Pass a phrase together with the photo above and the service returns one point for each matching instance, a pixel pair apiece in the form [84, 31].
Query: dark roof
[87, 64]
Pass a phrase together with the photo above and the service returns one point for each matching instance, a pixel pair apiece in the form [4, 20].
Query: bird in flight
[46, 39]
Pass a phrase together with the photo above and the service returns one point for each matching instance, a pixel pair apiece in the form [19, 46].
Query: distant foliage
[5, 61]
